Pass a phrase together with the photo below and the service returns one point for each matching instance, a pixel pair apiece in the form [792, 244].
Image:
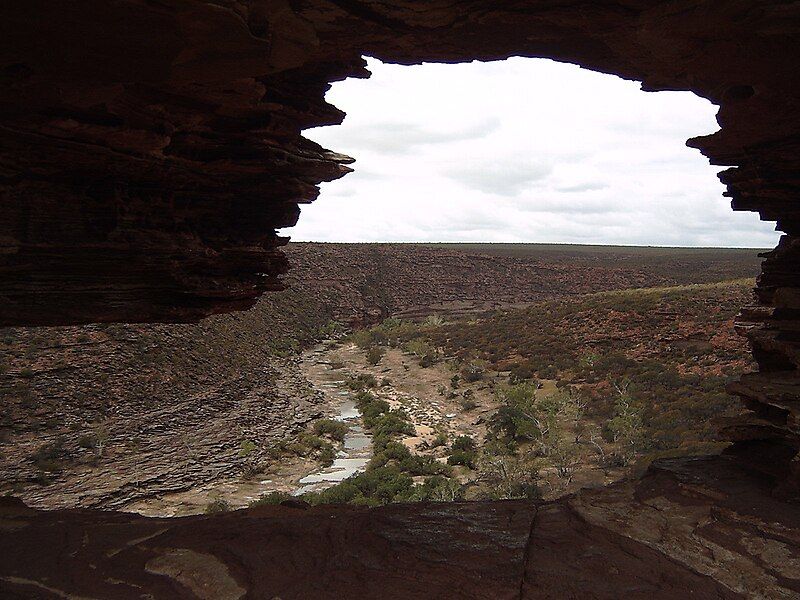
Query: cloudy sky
[522, 150]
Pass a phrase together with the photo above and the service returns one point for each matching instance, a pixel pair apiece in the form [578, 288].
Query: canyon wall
[150, 151]
[175, 402]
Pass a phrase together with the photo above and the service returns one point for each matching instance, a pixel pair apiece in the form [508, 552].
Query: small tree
[507, 477]
[626, 426]
[101, 435]
[463, 452]
[473, 371]
[217, 505]
[564, 455]
[333, 429]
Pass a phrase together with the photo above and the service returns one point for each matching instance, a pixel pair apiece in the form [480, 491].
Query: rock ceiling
[151, 148]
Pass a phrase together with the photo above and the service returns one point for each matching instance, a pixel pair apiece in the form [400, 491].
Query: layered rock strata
[150, 150]
[175, 403]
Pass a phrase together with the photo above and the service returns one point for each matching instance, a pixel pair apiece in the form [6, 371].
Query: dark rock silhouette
[690, 529]
[149, 152]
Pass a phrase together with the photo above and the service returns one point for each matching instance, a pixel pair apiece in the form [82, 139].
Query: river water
[357, 448]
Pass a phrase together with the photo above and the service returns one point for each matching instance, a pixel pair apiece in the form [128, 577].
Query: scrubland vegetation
[594, 381]
[605, 381]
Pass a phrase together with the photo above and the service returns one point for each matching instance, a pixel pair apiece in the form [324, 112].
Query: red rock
[717, 534]
[150, 150]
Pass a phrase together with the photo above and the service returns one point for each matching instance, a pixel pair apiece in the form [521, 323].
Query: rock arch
[150, 150]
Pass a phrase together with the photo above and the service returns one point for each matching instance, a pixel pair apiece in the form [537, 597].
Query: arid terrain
[153, 152]
[176, 419]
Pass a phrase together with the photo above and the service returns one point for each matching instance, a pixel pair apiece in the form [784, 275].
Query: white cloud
[589, 186]
[506, 178]
[402, 138]
[522, 150]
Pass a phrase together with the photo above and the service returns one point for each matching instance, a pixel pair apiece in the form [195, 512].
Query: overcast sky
[523, 150]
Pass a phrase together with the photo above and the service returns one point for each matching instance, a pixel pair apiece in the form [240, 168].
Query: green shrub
[439, 440]
[49, 457]
[370, 407]
[374, 487]
[218, 505]
[87, 440]
[246, 448]
[459, 457]
[323, 451]
[270, 499]
[330, 329]
[507, 477]
[312, 442]
[433, 321]
[427, 354]
[521, 372]
[362, 338]
[251, 469]
[362, 382]
[375, 355]
[394, 422]
[463, 452]
[467, 403]
[465, 443]
[326, 456]
[333, 429]
[428, 360]
[343, 493]
[473, 371]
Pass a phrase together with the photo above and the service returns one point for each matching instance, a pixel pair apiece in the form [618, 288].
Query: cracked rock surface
[691, 528]
[149, 151]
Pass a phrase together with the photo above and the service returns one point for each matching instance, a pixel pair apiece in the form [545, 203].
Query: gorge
[150, 150]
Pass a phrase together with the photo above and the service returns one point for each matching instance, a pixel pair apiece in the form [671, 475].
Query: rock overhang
[150, 151]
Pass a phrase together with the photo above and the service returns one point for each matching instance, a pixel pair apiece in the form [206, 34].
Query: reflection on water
[357, 446]
[348, 412]
[357, 439]
[341, 469]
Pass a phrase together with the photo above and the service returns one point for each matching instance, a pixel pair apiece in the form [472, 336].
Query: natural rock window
[521, 150]
[150, 151]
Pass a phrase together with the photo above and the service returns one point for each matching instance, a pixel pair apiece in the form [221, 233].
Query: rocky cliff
[151, 149]
[364, 283]
[174, 402]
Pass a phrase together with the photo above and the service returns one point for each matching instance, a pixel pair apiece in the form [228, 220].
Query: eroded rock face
[150, 150]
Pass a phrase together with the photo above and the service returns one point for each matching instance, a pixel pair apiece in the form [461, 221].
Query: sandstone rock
[689, 529]
[144, 181]
[150, 151]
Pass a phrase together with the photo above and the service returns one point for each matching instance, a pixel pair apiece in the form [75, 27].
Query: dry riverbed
[426, 394]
